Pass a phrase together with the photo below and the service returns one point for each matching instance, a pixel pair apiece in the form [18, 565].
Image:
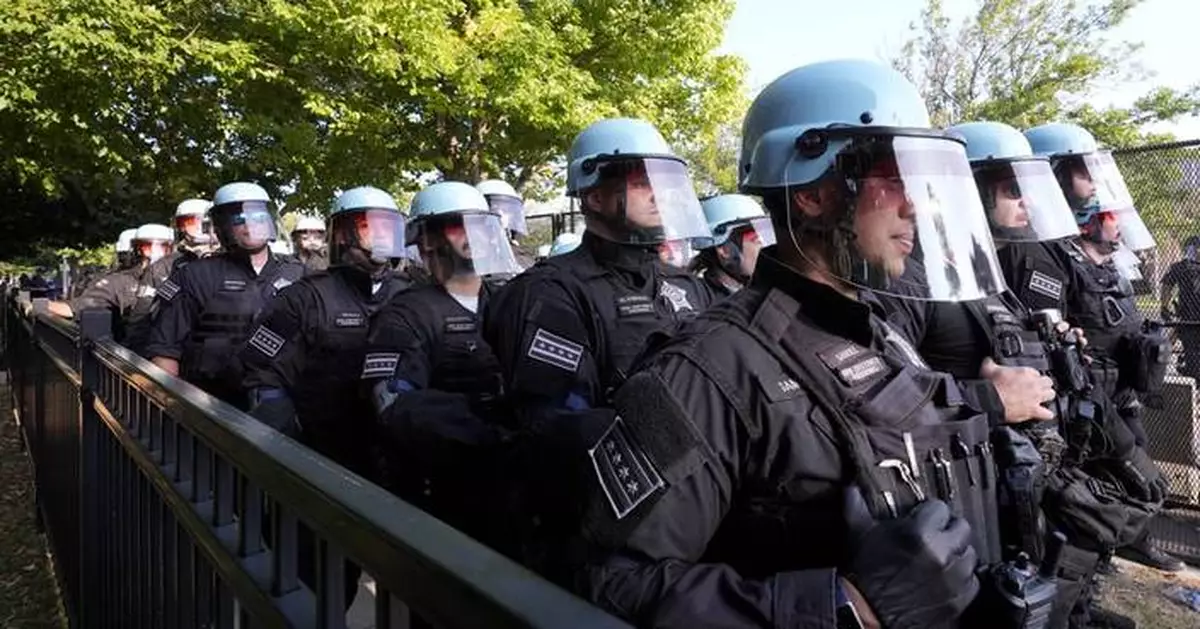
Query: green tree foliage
[1027, 62]
[113, 110]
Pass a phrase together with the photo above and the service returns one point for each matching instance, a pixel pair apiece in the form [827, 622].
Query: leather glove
[1141, 477]
[914, 571]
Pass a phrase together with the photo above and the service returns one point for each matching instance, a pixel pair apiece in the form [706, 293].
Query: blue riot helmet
[1093, 186]
[366, 230]
[242, 217]
[740, 228]
[1018, 189]
[506, 202]
[565, 243]
[458, 233]
[630, 187]
[843, 155]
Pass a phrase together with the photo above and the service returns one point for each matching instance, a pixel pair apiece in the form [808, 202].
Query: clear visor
[195, 228]
[1135, 236]
[760, 230]
[1093, 181]
[643, 201]
[511, 211]
[1024, 202]
[676, 253]
[1128, 264]
[919, 229]
[483, 239]
[378, 232]
[249, 225]
[153, 250]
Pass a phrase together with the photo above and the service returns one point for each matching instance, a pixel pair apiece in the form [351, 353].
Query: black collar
[827, 308]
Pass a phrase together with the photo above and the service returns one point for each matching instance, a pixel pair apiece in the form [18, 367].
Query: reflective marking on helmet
[168, 290]
[626, 474]
[1041, 283]
[555, 351]
[267, 341]
[380, 365]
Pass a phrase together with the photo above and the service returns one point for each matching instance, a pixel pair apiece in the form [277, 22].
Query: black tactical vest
[888, 411]
[623, 305]
[232, 298]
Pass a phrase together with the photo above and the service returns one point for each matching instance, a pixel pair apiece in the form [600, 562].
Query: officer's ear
[725, 251]
[593, 200]
[809, 201]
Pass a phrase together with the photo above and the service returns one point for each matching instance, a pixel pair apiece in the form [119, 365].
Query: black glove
[915, 571]
[278, 413]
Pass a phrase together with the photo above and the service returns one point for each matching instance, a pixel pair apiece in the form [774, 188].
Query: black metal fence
[1164, 181]
[168, 508]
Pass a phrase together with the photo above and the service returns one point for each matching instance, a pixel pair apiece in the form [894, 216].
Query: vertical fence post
[93, 326]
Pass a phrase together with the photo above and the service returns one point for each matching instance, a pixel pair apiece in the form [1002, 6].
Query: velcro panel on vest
[650, 446]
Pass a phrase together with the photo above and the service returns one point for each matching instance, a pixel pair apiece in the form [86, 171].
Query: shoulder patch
[266, 341]
[168, 290]
[626, 474]
[1041, 283]
[555, 350]
[282, 283]
[379, 365]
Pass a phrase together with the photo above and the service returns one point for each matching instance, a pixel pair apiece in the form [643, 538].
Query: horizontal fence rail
[168, 508]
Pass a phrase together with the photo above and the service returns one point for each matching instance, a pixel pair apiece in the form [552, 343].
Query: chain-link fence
[1164, 180]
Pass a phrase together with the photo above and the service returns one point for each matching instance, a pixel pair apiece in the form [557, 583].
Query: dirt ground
[1137, 592]
[28, 592]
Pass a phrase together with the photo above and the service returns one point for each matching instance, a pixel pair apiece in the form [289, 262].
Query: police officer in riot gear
[787, 457]
[740, 229]
[1024, 205]
[426, 364]
[303, 358]
[206, 308]
[88, 275]
[125, 257]
[566, 335]
[127, 293]
[506, 202]
[308, 241]
[194, 239]
[1078, 277]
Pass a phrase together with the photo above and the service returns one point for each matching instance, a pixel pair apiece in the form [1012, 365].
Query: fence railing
[168, 508]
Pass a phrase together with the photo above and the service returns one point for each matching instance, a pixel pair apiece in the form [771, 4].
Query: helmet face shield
[1024, 202]
[1093, 183]
[676, 253]
[1135, 236]
[511, 211]
[380, 233]
[904, 218]
[248, 225]
[485, 242]
[153, 250]
[195, 228]
[643, 201]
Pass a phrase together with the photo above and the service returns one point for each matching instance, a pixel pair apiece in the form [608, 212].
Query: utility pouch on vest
[1145, 359]
[1022, 481]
